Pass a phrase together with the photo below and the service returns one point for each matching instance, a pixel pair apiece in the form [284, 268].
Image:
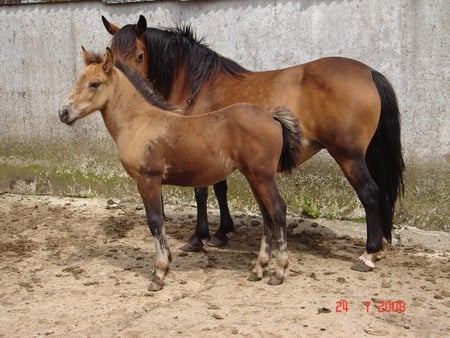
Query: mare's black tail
[384, 154]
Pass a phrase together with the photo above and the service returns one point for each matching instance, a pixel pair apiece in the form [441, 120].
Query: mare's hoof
[193, 245]
[217, 242]
[253, 277]
[274, 280]
[188, 247]
[361, 266]
[155, 285]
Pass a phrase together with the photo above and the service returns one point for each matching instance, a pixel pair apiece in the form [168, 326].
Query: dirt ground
[73, 267]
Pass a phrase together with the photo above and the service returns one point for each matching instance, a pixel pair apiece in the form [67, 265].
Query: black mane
[170, 49]
[144, 87]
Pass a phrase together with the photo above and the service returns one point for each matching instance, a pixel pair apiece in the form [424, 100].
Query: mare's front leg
[150, 190]
[195, 243]
[220, 238]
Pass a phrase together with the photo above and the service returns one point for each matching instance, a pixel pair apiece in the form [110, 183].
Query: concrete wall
[406, 40]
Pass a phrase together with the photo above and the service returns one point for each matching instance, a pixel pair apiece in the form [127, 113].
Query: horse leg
[195, 243]
[265, 248]
[273, 209]
[220, 238]
[357, 173]
[150, 191]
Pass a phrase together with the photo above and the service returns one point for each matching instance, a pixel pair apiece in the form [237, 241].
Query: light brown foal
[157, 146]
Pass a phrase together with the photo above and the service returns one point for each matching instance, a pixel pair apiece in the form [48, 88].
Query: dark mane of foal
[144, 87]
[170, 49]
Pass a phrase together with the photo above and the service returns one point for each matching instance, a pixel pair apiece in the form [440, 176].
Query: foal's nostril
[63, 114]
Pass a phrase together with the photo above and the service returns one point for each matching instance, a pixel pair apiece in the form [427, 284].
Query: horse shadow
[239, 255]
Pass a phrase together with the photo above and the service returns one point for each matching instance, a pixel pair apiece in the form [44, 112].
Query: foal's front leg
[150, 190]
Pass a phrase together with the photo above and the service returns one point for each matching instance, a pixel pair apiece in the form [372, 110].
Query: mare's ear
[110, 27]
[141, 26]
[108, 62]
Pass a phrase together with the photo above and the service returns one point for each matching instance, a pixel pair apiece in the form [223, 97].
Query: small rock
[255, 223]
[385, 284]
[323, 310]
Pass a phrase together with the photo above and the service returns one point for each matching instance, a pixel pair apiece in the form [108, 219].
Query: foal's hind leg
[265, 248]
[357, 173]
[273, 209]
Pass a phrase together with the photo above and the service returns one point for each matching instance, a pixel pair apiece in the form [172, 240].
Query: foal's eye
[94, 84]
[140, 57]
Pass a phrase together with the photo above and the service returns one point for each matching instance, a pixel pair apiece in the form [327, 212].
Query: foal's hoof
[254, 277]
[274, 280]
[218, 242]
[361, 266]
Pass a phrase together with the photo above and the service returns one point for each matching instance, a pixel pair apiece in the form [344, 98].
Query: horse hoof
[217, 242]
[274, 280]
[254, 277]
[188, 247]
[361, 266]
[155, 286]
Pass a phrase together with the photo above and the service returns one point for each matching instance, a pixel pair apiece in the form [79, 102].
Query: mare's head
[92, 89]
[128, 46]
[168, 56]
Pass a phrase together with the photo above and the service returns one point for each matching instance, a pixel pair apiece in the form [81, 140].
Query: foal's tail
[384, 154]
[291, 138]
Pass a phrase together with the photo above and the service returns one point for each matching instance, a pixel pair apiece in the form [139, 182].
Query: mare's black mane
[170, 49]
[144, 87]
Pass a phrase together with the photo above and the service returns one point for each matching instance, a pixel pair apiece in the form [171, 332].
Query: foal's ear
[110, 27]
[89, 57]
[141, 26]
[108, 62]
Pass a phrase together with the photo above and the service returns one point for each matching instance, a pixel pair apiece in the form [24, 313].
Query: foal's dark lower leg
[220, 238]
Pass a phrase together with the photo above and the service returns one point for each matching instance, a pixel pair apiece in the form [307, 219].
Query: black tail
[291, 138]
[384, 154]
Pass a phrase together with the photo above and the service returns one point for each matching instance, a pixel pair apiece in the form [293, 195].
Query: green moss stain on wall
[315, 189]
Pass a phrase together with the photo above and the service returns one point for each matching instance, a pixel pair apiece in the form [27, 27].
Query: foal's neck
[124, 105]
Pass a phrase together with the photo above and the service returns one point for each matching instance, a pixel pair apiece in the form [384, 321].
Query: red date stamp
[381, 306]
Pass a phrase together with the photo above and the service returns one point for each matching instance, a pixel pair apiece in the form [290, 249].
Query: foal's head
[92, 89]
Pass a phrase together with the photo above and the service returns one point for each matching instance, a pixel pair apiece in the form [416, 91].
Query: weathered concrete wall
[406, 40]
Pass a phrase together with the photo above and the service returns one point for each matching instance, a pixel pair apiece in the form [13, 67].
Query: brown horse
[342, 105]
[158, 147]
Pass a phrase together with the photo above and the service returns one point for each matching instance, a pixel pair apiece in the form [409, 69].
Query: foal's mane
[170, 49]
[144, 87]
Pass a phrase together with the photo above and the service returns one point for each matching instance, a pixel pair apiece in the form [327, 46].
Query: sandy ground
[72, 267]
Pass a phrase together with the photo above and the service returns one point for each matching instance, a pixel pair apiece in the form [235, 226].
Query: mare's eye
[94, 84]
[140, 57]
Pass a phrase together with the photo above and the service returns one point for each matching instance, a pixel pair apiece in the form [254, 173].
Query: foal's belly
[197, 173]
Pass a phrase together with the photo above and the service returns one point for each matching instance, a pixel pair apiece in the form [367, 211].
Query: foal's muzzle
[64, 115]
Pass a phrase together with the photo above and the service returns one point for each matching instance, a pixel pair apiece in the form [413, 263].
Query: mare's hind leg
[220, 238]
[357, 173]
[273, 209]
[150, 190]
